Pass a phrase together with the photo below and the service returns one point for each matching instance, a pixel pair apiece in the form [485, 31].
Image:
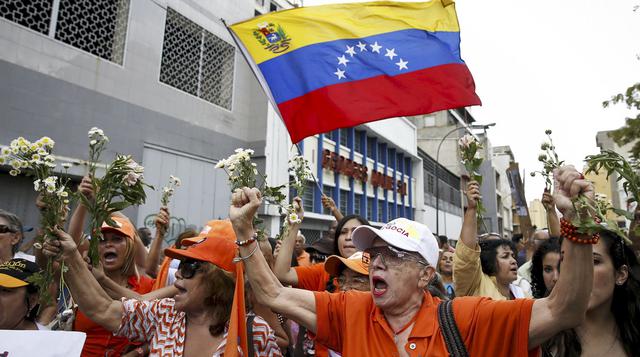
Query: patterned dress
[163, 327]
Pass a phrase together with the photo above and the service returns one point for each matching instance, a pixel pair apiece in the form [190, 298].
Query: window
[95, 26]
[370, 208]
[307, 197]
[343, 201]
[196, 61]
[344, 137]
[328, 191]
[370, 147]
[390, 214]
[357, 145]
[273, 7]
[381, 208]
[357, 201]
[381, 152]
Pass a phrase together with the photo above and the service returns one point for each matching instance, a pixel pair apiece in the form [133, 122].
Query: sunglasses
[390, 256]
[189, 268]
[6, 229]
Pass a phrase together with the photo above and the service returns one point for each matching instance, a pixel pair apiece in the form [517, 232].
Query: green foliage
[630, 132]
[550, 161]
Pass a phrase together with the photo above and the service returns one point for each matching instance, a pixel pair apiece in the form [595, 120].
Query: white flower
[466, 141]
[66, 165]
[2, 160]
[51, 189]
[16, 164]
[66, 202]
[14, 143]
[221, 164]
[42, 152]
[249, 151]
[254, 164]
[37, 245]
[239, 150]
[63, 193]
[6, 151]
[34, 147]
[24, 164]
[232, 167]
[131, 178]
[50, 181]
[93, 142]
[35, 157]
[14, 172]
[24, 149]
[47, 141]
[134, 167]
[15, 150]
[51, 165]
[36, 185]
[294, 218]
[255, 172]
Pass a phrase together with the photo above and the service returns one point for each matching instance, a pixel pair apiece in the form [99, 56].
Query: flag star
[390, 53]
[362, 46]
[342, 60]
[375, 47]
[402, 64]
[350, 51]
[339, 73]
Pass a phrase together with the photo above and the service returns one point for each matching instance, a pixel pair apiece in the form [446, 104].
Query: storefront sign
[341, 165]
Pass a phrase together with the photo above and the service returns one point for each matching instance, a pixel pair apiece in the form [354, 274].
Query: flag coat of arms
[336, 66]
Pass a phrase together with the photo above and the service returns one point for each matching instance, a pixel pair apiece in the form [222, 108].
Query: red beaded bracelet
[570, 232]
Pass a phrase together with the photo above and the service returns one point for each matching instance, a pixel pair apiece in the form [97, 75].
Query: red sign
[341, 165]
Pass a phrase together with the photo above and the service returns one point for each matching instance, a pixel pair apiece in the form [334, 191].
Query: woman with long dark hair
[544, 268]
[612, 323]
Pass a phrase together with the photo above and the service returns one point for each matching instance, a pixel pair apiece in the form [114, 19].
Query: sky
[543, 65]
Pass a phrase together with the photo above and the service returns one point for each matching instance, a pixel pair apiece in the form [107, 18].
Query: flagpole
[265, 88]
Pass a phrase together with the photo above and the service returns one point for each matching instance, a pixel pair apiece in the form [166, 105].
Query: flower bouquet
[121, 186]
[471, 160]
[168, 190]
[53, 194]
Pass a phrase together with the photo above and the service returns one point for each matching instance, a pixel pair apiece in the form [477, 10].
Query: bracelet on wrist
[570, 232]
[242, 243]
[240, 258]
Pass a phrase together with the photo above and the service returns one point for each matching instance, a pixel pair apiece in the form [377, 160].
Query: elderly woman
[205, 318]
[18, 297]
[397, 317]
[488, 268]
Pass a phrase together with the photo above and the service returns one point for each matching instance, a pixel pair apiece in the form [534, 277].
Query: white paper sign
[41, 343]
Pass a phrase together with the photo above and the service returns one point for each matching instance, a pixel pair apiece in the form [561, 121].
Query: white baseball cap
[400, 233]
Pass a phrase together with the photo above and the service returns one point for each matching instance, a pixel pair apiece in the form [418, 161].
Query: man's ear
[427, 274]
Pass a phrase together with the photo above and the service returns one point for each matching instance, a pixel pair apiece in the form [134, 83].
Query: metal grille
[98, 27]
[35, 14]
[311, 235]
[196, 61]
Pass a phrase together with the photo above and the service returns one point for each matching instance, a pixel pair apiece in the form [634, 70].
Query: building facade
[161, 77]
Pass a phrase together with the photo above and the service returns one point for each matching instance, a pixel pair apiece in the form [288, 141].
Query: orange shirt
[312, 278]
[351, 323]
[304, 259]
[101, 342]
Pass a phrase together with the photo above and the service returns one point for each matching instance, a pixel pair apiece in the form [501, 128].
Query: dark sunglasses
[189, 268]
[390, 256]
[6, 229]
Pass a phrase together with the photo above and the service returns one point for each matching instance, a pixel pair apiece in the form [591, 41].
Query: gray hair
[15, 223]
[304, 239]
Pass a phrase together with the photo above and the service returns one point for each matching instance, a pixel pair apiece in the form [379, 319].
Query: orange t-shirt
[100, 342]
[350, 323]
[312, 278]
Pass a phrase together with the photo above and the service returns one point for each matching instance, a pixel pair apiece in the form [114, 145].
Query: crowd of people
[396, 290]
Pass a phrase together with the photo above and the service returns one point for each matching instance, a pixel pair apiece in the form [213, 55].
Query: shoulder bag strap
[251, 351]
[450, 332]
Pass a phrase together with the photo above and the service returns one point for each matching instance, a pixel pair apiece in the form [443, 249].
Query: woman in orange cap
[208, 309]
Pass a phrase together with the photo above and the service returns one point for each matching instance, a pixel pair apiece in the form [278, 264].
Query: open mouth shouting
[109, 257]
[379, 286]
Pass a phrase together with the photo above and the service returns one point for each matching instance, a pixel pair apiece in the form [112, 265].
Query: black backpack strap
[450, 331]
[250, 318]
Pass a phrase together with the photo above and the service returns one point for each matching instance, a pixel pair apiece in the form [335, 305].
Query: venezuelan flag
[336, 66]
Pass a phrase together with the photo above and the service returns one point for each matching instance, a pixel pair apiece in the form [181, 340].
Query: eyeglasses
[189, 268]
[6, 229]
[390, 256]
[358, 280]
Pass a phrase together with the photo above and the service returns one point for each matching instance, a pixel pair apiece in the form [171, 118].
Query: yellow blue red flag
[336, 66]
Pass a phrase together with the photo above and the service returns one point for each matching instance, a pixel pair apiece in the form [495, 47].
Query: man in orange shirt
[398, 318]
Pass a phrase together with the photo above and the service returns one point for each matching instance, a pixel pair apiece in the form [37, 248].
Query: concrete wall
[51, 88]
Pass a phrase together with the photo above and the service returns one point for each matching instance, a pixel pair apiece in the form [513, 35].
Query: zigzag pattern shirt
[163, 327]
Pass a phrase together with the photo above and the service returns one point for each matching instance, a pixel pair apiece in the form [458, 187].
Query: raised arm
[567, 304]
[86, 291]
[117, 291]
[296, 304]
[553, 220]
[329, 204]
[282, 265]
[467, 270]
[153, 258]
[76, 224]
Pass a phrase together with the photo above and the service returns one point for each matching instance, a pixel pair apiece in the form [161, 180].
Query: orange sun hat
[216, 244]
